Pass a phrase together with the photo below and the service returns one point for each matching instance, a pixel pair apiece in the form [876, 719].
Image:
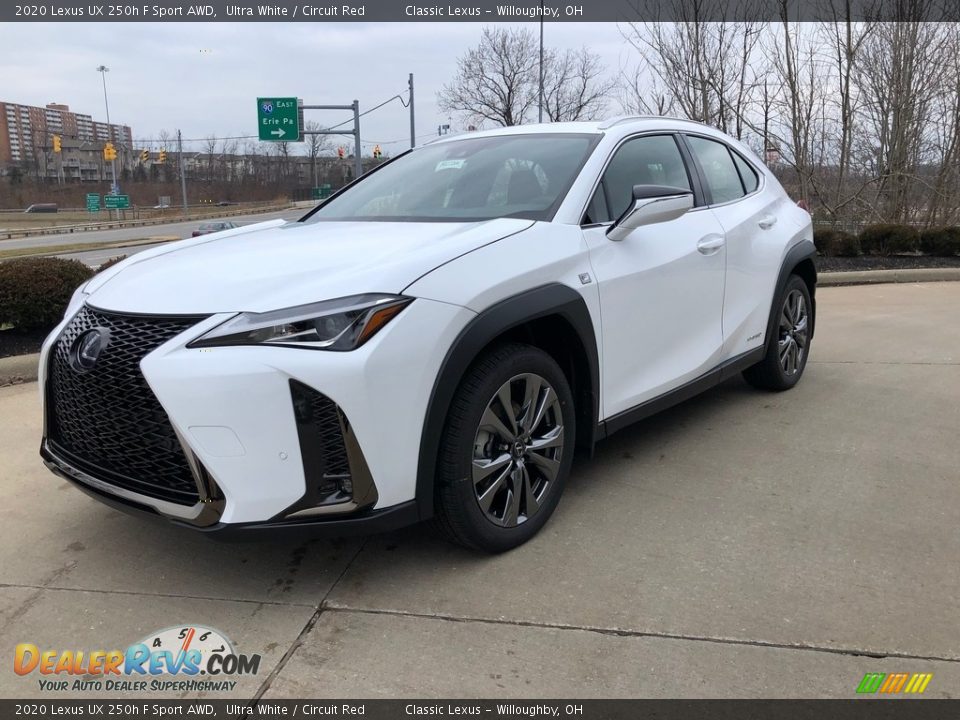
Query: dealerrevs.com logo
[177, 659]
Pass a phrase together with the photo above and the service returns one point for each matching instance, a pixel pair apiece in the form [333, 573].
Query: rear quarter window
[751, 181]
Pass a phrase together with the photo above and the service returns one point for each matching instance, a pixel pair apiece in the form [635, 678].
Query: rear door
[661, 288]
[748, 215]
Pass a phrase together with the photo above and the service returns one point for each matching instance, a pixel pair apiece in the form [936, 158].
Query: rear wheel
[506, 450]
[787, 352]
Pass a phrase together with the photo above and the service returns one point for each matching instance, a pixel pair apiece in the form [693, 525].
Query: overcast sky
[204, 77]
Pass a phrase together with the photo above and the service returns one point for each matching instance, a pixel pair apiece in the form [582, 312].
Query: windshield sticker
[450, 164]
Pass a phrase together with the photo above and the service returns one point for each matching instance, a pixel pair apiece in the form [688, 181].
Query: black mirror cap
[645, 192]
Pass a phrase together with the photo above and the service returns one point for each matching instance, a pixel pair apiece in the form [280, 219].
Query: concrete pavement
[743, 544]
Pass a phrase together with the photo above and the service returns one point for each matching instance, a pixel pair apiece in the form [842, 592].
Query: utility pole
[413, 127]
[355, 107]
[356, 137]
[540, 103]
[183, 171]
[103, 70]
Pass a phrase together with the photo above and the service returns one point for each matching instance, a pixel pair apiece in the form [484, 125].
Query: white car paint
[663, 313]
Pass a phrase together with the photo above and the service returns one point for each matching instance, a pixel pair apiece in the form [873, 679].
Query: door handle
[767, 222]
[710, 244]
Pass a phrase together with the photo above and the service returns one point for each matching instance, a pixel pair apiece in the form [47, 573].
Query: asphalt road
[743, 544]
[182, 229]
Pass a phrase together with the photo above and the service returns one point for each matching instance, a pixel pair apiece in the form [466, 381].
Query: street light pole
[540, 103]
[103, 70]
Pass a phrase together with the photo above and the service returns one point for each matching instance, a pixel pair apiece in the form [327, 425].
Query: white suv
[435, 340]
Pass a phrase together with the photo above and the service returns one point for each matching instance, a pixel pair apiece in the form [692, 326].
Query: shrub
[35, 292]
[111, 262]
[836, 243]
[944, 242]
[889, 239]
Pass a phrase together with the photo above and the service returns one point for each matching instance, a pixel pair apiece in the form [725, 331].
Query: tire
[789, 347]
[496, 487]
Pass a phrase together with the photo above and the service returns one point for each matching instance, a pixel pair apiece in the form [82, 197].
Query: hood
[273, 265]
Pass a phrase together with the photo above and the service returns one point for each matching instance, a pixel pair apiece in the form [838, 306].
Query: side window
[747, 173]
[648, 160]
[718, 169]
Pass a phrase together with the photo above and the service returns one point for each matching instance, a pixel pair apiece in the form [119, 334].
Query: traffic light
[144, 155]
[377, 152]
[341, 153]
[109, 152]
[57, 147]
[162, 156]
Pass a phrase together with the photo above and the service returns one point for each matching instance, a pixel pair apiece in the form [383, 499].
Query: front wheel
[506, 450]
[787, 352]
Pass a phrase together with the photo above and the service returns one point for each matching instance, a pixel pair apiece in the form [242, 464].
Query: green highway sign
[278, 119]
[116, 202]
[93, 202]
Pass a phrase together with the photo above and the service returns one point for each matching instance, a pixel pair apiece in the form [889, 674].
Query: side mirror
[651, 204]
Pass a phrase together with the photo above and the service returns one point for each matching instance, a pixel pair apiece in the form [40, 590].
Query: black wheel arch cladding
[553, 300]
[799, 260]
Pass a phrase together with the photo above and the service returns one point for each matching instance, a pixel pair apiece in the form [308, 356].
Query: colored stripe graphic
[871, 682]
[918, 683]
[893, 683]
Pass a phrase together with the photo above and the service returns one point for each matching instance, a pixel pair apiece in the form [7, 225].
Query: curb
[23, 368]
[872, 277]
[19, 369]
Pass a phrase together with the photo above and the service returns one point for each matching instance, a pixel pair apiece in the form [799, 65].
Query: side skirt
[722, 372]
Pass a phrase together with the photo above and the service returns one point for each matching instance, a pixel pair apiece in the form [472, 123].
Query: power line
[251, 137]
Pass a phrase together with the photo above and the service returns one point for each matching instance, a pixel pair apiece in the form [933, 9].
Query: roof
[593, 127]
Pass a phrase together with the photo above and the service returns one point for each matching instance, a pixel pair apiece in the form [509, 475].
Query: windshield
[518, 176]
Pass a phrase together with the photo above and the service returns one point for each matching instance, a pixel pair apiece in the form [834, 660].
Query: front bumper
[231, 409]
[366, 522]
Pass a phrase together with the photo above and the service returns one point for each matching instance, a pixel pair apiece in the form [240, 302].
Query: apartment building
[26, 137]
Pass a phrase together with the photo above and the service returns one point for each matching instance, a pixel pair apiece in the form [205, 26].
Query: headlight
[342, 324]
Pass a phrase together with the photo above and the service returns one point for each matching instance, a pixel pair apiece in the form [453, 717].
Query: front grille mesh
[107, 421]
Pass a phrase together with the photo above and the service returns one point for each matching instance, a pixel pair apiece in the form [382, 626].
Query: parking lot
[742, 544]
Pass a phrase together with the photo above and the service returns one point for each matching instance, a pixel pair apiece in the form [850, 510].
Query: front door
[661, 288]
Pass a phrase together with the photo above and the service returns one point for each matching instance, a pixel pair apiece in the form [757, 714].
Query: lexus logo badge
[87, 347]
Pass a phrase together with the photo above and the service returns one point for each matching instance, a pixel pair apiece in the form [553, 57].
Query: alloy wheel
[517, 449]
[792, 345]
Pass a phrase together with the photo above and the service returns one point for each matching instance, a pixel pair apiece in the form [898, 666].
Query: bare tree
[574, 86]
[210, 148]
[495, 81]
[706, 70]
[798, 104]
[640, 94]
[944, 206]
[166, 143]
[900, 80]
[227, 170]
[316, 144]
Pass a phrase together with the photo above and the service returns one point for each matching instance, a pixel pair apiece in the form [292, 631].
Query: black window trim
[693, 174]
[761, 178]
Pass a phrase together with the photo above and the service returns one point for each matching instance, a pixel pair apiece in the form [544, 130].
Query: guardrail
[9, 234]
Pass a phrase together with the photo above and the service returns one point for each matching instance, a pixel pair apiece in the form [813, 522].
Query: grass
[30, 221]
[81, 247]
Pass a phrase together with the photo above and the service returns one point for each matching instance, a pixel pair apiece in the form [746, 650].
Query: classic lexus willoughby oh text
[437, 339]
